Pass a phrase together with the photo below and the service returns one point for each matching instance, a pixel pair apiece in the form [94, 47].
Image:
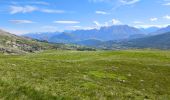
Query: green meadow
[86, 75]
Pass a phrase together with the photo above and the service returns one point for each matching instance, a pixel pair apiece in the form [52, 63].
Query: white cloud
[28, 9]
[40, 3]
[129, 2]
[66, 22]
[108, 23]
[21, 21]
[167, 17]
[153, 19]
[97, 23]
[116, 3]
[22, 2]
[79, 27]
[15, 31]
[52, 11]
[151, 25]
[87, 28]
[124, 2]
[20, 9]
[115, 22]
[137, 22]
[101, 12]
[98, 0]
[76, 26]
[49, 27]
[166, 4]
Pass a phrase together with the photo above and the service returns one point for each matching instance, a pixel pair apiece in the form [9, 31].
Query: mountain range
[117, 32]
[112, 37]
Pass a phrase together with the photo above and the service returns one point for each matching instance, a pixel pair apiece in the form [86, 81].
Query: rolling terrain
[106, 75]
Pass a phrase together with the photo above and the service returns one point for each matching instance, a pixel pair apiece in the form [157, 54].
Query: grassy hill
[14, 44]
[75, 75]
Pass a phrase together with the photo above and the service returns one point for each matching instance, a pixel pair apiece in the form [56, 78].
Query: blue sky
[24, 16]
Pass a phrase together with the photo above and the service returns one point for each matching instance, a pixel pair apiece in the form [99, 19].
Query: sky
[26, 16]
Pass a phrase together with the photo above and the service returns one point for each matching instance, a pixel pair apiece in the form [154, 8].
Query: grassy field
[98, 75]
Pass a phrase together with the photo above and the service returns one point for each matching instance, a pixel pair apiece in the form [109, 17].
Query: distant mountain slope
[161, 41]
[90, 42]
[41, 35]
[161, 31]
[62, 38]
[106, 45]
[149, 30]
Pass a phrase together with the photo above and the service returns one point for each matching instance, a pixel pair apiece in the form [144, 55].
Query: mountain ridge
[115, 32]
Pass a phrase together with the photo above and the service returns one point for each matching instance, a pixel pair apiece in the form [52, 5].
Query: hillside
[62, 38]
[89, 42]
[161, 31]
[150, 30]
[10, 43]
[161, 41]
[42, 35]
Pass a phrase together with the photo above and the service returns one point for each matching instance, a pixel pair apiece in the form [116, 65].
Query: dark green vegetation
[119, 75]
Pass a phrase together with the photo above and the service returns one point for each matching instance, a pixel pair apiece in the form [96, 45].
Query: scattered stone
[14, 65]
[141, 80]
[129, 75]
